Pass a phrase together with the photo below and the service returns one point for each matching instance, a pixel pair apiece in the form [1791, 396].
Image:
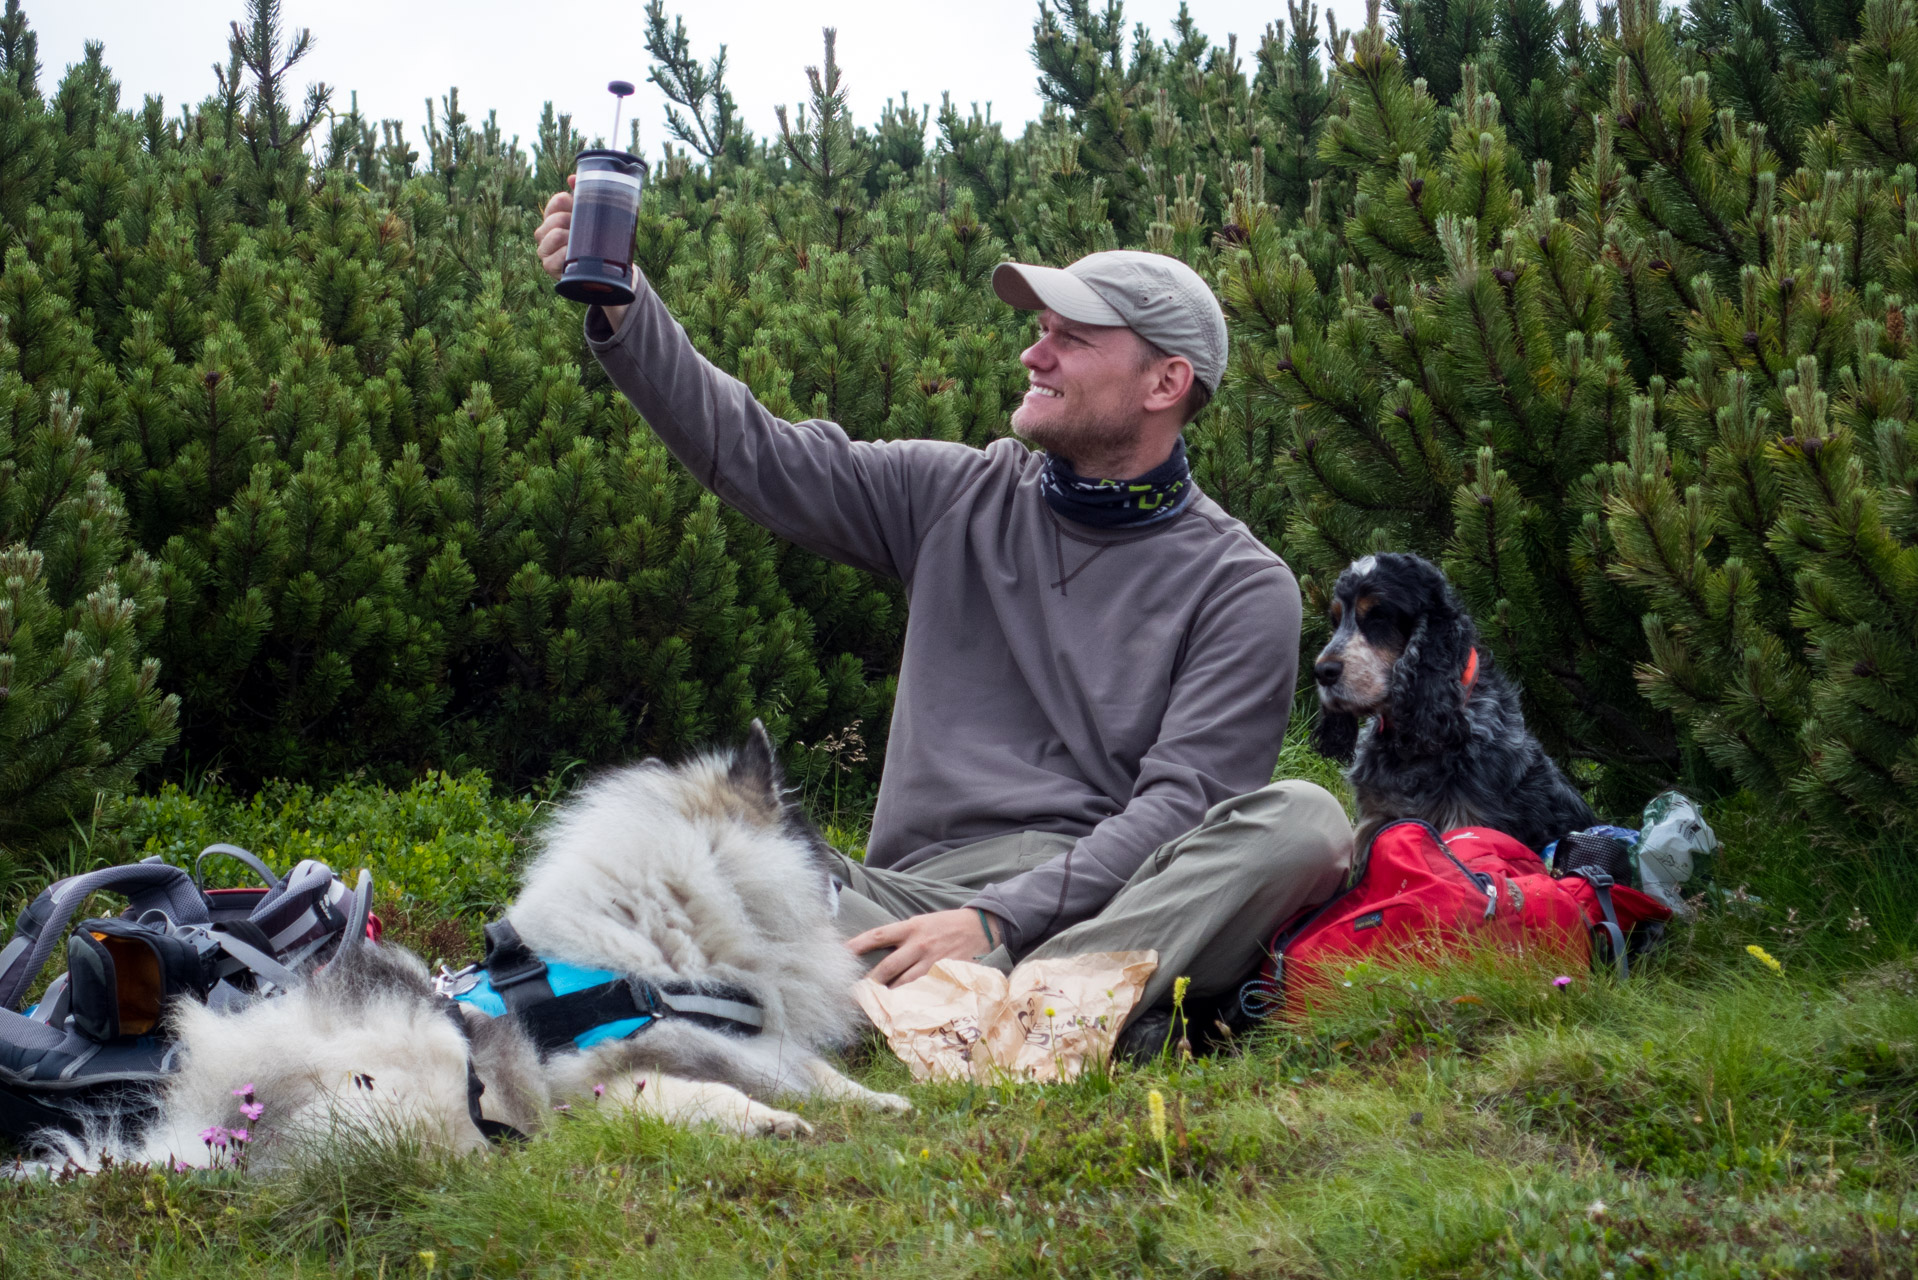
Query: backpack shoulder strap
[1602, 887]
[238, 854]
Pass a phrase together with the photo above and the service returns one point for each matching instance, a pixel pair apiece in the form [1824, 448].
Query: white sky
[398, 52]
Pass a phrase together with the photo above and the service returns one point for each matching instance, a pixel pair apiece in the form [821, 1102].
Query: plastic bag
[1675, 850]
[1045, 1021]
[1670, 857]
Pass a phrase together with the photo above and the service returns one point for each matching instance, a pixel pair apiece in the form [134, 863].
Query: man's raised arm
[861, 503]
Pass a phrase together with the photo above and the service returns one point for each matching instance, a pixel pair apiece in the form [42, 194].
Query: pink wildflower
[214, 1135]
[599, 1091]
[252, 1110]
[244, 1091]
[562, 1106]
[1561, 981]
[241, 1135]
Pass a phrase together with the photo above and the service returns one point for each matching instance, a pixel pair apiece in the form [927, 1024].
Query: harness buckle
[509, 961]
[645, 996]
[450, 982]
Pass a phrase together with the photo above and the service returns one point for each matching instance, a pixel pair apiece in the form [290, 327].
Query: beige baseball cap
[1159, 298]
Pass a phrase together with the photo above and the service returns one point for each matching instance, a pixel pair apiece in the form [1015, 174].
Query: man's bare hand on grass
[919, 941]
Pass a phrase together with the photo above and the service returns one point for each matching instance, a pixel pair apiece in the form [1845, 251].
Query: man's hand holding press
[549, 242]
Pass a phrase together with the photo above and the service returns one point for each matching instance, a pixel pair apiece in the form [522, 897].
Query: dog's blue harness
[562, 1006]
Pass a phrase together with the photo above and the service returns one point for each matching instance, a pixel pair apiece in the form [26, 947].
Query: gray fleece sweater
[1107, 685]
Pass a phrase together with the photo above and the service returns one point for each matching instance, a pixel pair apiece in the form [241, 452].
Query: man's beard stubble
[1083, 442]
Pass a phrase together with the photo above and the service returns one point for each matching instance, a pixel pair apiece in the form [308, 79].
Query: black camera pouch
[122, 974]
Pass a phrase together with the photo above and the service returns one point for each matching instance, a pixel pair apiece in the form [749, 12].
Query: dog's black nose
[1328, 670]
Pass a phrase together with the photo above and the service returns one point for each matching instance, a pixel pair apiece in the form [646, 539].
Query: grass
[1709, 1118]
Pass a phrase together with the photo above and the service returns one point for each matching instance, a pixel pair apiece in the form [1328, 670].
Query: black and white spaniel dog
[1443, 739]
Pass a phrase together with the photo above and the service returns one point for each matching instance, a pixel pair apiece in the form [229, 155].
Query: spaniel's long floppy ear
[1427, 699]
[1335, 735]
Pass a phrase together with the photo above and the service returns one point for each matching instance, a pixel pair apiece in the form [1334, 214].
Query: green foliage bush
[81, 711]
[1607, 316]
[397, 526]
[449, 845]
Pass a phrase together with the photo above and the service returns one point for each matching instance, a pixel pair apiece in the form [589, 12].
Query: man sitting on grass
[1099, 662]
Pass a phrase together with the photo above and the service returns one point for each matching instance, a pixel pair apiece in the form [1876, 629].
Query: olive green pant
[1207, 902]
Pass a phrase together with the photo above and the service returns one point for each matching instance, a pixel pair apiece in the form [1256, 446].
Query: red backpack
[1471, 885]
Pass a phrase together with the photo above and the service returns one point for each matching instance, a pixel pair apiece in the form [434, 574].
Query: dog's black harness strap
[491, 1130]
[556, 1020]
[553, 1023]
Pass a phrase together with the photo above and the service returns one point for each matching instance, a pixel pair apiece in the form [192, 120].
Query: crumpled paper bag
[1045, 1021]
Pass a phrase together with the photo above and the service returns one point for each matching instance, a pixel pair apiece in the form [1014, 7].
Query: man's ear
[1171, 385]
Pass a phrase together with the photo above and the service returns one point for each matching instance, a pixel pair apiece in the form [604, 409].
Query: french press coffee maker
[599, 249]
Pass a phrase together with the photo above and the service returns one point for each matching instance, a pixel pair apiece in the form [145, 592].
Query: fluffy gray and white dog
[702, 872]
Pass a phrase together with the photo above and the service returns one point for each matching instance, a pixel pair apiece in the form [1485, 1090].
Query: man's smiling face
[1089, 384]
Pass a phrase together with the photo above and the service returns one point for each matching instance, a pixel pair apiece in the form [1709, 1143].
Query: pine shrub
[1608, 317]
[1630, 361]
[400, 520]
[1766, 510]
[1442, 375]
[81, 710]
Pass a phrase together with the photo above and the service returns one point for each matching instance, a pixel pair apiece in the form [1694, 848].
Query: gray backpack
[95, 1044]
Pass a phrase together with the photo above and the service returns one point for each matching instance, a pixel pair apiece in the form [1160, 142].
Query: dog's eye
[1364, 606]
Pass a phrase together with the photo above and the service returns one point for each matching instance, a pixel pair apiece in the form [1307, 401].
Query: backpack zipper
[1482, 879]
